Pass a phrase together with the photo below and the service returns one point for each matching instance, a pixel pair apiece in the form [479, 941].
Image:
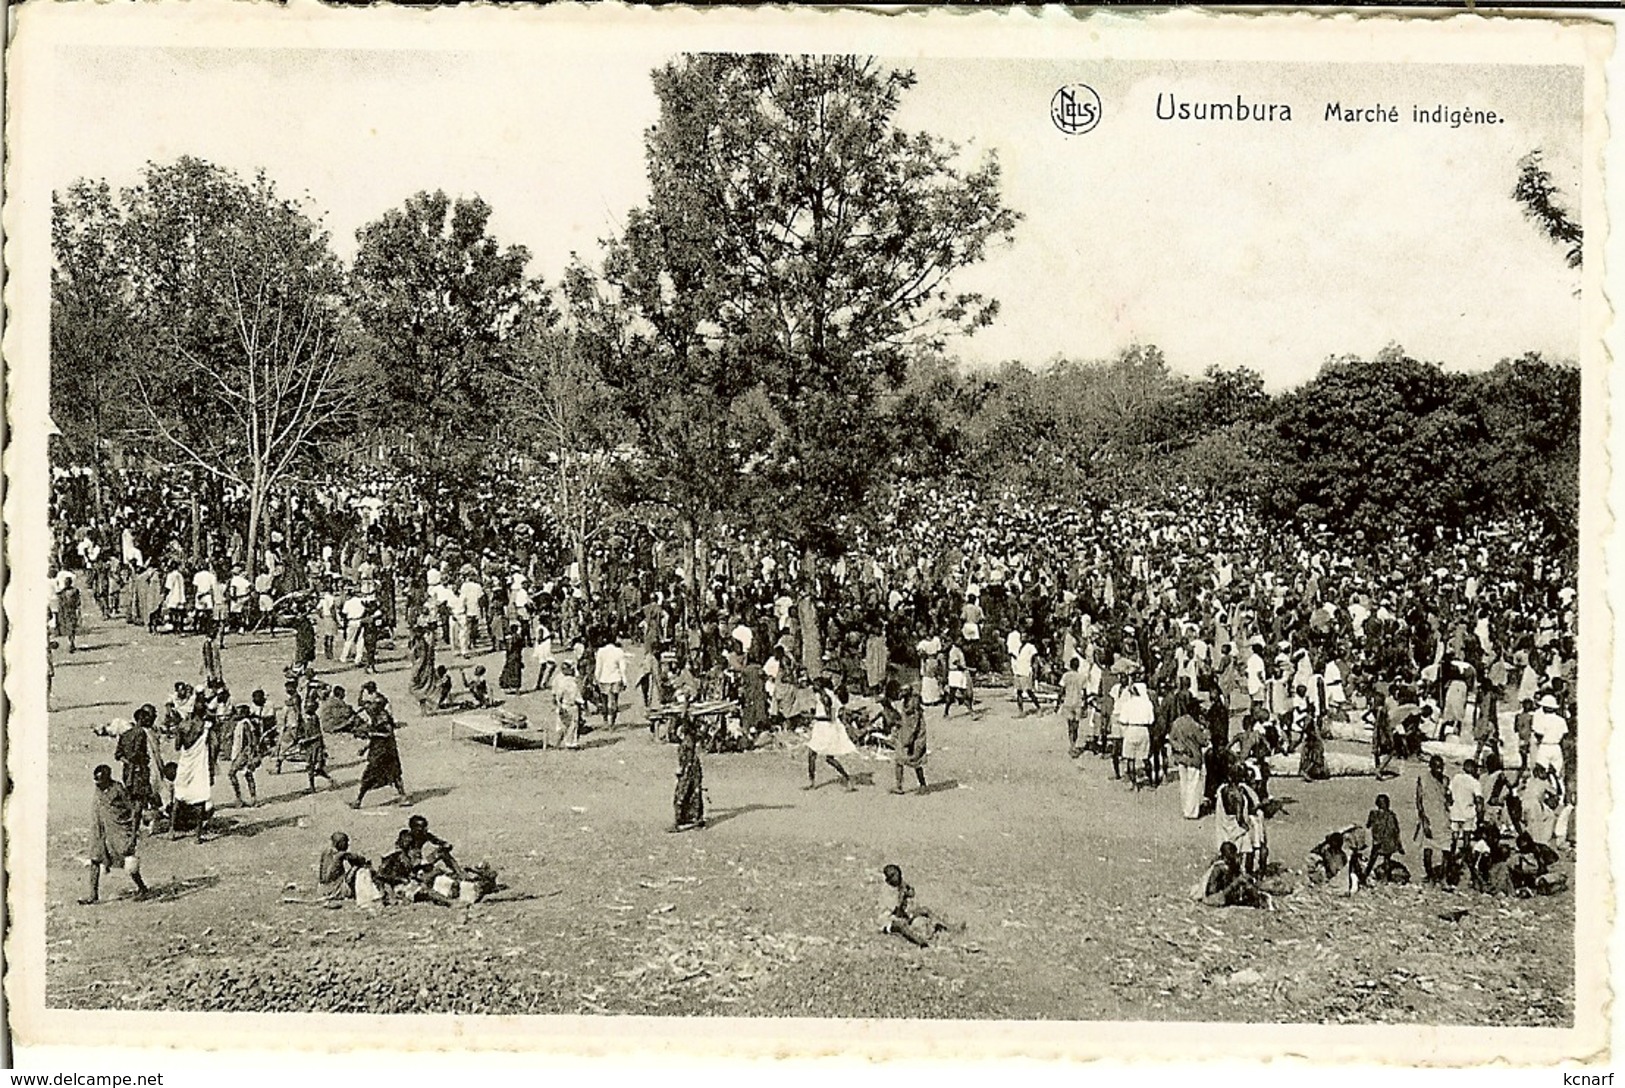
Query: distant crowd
[1184, 634]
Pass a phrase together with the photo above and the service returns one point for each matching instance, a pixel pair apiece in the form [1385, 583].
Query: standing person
[828, 738]
[688, 801]
[1385, 840]
[910, 741]
[876, 661]
[466, 612]
[238, 595]
[610, 674]
[304, 638]
[421, 650]
[194, 780]
[1136, 713]
[175, 599]
[960, 687]
[1312, 755]
[327, 621]
[137, 751]
[1023, 665]
[70, 608]
[752, 699]
[1524, 724]
[371, 627]
[354, 612]
[205, 587]
[1189, 740]
[211, 661]
[1234, 811]
[546, 663]
[1432, 814]
[1466, 808]
[115, 828]
[247, 749]
[1548, 728]
[265, 599]
[1072, 700]
[568, 703]
[383, 754]
[1382, 731]
[512, 677]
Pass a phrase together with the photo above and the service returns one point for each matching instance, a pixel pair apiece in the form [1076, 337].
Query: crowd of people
[1183, 637]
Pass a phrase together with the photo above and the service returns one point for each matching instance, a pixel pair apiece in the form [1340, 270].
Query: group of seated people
[1490, 861]
[462, 692]
[421, 869]
[1492, 858]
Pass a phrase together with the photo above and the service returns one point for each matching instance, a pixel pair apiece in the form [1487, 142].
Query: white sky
[1271, 246]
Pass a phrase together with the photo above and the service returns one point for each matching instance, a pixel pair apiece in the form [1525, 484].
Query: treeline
[1389, 446]
[762, 343]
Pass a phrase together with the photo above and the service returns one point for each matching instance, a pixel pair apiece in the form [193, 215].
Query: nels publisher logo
[1075, 109]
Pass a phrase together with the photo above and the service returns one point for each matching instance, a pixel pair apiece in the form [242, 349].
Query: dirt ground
[1072, 888]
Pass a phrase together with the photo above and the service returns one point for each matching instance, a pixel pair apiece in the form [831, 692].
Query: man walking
[115, 827]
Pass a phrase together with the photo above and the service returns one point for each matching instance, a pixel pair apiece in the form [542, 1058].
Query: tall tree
[441, 298]
[1389, 446]
[1543, 205]
[1531, 412]
[91, 326]
[240, 300]
[799, 246]
[561, 408]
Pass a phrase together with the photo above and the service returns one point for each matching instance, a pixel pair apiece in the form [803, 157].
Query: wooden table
[486, 725]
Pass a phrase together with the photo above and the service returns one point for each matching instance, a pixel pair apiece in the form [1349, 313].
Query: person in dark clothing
[688, 802]
[115, 829]
[383, 755]
[1385, 840]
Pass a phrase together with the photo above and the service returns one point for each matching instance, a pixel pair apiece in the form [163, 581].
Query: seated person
[335, 877]
[1225, 885]
[1497, 871]
[334, 714]
[443, 688]
[431, 848]
[1530, 868]
[906, 917]
[403, 877]
[1481, 849]
[1329, 863]
[479, 689]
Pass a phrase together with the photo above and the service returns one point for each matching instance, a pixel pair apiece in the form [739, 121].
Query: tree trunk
[579, 544]
[812, 639]
[702, 571]
[197, 548]
[256, 510]
[292, 559]
[690, 553]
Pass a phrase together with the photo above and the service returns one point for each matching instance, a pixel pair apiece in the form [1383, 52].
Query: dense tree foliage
[796, 250]
[442, 300]
[91, 323]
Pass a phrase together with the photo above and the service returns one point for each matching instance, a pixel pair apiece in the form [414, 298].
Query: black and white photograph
[817, 526]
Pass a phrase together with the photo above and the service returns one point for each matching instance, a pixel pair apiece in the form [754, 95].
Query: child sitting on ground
[479, 689]
[1330, 864]
[1225, 885]
[906, 917]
